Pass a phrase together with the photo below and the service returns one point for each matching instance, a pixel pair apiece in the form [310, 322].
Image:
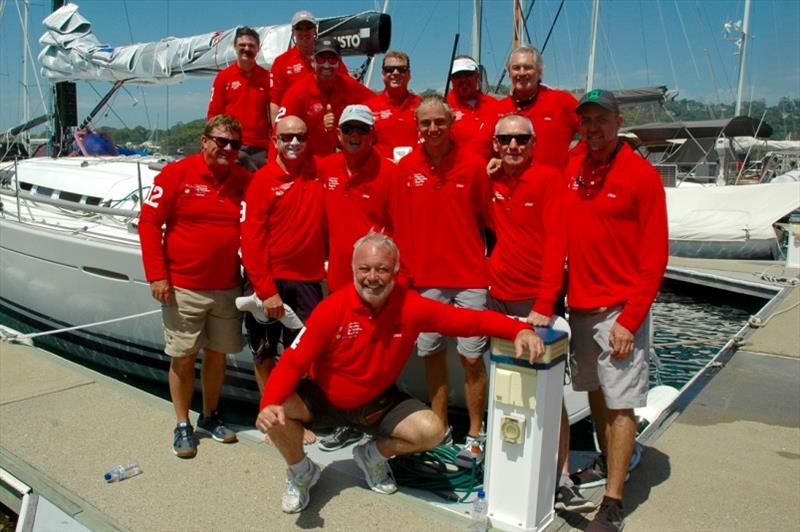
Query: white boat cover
[72, 52]
[729, 213]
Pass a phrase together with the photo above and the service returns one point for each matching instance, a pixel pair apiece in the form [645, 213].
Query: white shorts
[624, 381]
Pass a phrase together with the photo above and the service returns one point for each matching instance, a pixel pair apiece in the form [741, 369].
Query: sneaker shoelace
[380, 471]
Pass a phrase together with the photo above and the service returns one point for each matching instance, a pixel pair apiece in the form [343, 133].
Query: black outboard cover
[368, 33]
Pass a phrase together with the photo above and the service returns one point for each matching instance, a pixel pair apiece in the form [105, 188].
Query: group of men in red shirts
[394, 190]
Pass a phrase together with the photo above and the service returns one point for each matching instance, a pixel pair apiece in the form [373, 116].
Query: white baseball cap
[357, 113]
[464, 64]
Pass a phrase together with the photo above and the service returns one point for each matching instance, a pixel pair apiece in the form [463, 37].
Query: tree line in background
[184, 138]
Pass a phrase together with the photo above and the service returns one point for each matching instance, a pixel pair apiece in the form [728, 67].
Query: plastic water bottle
[122, 471]
[480, 508]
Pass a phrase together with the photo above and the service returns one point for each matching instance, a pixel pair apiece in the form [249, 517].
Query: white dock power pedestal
[522, 441]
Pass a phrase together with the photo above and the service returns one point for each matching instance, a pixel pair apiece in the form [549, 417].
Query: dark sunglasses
[288, 137]
[521, 139]
[224, 142]
[463, 74]
[321, 60]
[350, 128]
[395, 68]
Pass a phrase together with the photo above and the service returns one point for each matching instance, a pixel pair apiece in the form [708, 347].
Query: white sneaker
[296, 497]
[377, 473]
[255, 306]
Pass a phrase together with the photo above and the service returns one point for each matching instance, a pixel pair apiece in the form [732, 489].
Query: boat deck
[729, 459]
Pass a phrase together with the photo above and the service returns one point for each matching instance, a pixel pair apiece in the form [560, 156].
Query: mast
[593, 45]
[477, 14]
[742, 57]
[26, 112]
[519, 24]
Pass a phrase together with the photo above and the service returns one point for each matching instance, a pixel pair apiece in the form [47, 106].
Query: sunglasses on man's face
[521, 139]
[347, 129]
[224, 142]
[330, 59]
[388, 69]
[289, 137]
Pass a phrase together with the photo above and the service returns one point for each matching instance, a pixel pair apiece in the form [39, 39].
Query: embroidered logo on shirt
[316, 109]
[235, 85]
[612, 195]
[548, 118]
[460, 185]
[419, 179]
[498, 195]
[295, 68]
[528, 204]
[350, 330]
[197, 190]
[458, 115]
[280, 190]
[333, 182]
[384, 114]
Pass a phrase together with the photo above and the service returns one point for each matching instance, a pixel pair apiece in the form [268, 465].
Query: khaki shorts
[624, 381]
[202, 319]
[429, 343]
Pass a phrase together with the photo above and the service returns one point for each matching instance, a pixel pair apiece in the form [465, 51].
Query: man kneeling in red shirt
[355, 345]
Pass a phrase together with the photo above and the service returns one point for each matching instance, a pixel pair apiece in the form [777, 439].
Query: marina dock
[728, 457]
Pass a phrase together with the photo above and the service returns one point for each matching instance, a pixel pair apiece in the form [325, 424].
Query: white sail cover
[72, 52]
[729, 213]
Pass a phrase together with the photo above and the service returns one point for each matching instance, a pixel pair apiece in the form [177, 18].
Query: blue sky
[678, 43]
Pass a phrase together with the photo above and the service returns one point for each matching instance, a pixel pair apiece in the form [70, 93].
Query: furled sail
[71, 51]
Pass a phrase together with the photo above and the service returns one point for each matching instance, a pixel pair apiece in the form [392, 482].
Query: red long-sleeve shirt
[247, 99]
[354, 204]
[283, 228]
[354, 354]
[288, 68]
[554, 121]
[528, 260]
[200, 247]
[441, 212]
[305, 100]
[617, 239]
[474, 126]
[395, 122]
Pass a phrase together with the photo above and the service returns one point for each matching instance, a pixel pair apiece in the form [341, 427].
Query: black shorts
[378, 417]
[264, 339]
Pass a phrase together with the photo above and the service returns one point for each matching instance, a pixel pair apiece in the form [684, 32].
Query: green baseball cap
[601, 97]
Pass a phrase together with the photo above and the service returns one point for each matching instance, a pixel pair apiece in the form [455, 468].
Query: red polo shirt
[246, 98]
[200, 247]
[354, 354]
[617, 238]
[395, 122]
[473, 125]
[282, 231]
[288, 68]
[354, 204]
[442, 211]
[306, 101]
[554, 121]
[528, 260]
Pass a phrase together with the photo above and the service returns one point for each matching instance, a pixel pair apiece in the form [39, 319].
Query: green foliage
[179, 139]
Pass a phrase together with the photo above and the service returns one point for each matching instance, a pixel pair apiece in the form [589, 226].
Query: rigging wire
[666, 44]
[610, 56]
[701, 9]
[424, 27]
[686, 38]
[141, 89]
[644, 44]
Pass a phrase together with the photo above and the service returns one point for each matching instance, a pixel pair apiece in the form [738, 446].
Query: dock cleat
[184, 444]
[377, 472]
[298, 487]
[213, 426]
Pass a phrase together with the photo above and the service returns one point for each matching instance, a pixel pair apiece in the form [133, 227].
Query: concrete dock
[727, 460]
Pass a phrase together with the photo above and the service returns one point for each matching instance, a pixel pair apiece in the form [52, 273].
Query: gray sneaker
[296, 497]
[377, 473]
[568, 499]
[183, 444]
[593, 475]
[213, 426]
[471, 454]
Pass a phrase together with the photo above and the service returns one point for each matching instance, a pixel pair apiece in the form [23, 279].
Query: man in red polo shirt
[474, 113]
[242, 91]
[443, 209]
[616, 215]
[283, 242]
[354, 347]
[526, 268]
[319, 98]
[551, 111]
[193, 270]
[296, 61]
[395, 124]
